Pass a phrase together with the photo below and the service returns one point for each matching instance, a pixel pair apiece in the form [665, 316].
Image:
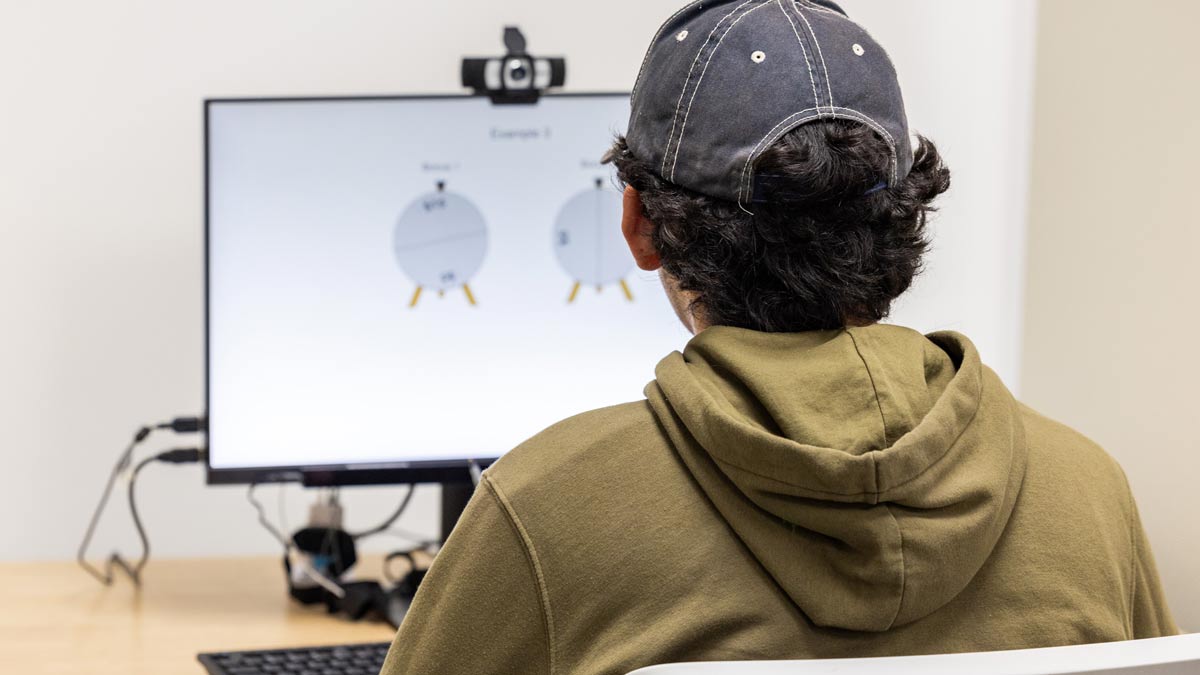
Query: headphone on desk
[332, 553]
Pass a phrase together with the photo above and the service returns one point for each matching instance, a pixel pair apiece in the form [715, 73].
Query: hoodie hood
[870, 470]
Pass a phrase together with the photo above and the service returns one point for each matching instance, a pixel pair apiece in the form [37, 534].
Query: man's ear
[639, 232]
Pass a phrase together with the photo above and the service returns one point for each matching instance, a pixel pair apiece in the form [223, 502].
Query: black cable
[390, 519]
[114, 559]
[262, 519]
[387, 565]
[185, 425]
[182, 456]
[136, 572]
[325, 582]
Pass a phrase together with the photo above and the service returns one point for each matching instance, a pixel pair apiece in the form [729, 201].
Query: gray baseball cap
[724, 80]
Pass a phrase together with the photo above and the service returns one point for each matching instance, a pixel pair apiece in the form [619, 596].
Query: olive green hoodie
[861, 492]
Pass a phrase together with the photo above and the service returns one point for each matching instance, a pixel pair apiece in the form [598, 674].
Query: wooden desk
[54, 618]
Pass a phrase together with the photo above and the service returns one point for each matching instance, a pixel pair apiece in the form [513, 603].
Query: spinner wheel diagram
[588, 241]
[440, 242]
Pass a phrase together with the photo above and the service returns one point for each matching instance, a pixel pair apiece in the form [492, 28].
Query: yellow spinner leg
[470, 296]
[628, 293]
[416, 296]
[574, 292]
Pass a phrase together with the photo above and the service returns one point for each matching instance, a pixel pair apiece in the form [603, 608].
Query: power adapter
[326, 514]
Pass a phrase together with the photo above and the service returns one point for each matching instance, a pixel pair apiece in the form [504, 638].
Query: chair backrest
[1161, 656]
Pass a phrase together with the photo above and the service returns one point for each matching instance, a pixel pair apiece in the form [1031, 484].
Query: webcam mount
[515, 78]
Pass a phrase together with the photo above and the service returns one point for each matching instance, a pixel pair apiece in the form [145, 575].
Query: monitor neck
[455, 496]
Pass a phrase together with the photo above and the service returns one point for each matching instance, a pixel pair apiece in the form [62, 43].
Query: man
[800, 482]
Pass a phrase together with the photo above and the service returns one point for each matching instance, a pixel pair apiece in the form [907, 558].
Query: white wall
[100, 207]
[967, 72]
[1112, 265]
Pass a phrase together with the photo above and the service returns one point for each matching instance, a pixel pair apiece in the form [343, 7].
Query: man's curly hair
[828, 247]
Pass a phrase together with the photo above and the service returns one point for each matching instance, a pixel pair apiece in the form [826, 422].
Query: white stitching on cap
[646, 58]
[675, 120]
[868, 118]
[869, 121]
[848, 113]
[754, 151]
[811, 77]
[696, 89]
[828, 82]
[744, 182]
[814, 6]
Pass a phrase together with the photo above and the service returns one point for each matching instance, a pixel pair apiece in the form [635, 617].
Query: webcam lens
[517, 70]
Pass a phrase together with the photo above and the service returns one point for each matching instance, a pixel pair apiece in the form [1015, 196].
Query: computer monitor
[400, 286]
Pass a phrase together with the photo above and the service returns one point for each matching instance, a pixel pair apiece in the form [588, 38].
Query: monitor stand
[455, 496]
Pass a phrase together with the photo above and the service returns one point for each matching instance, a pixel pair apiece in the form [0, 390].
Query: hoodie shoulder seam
[534, 562]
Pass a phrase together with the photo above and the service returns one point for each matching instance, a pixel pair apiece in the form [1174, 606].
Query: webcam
[515, 77]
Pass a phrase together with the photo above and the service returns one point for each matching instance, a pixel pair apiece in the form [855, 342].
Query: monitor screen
[415, 282]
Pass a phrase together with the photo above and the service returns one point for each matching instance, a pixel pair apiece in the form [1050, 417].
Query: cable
[382, 527]
[282, 506]
[387, 567]
[418, 540]
[115, 561]
[182, 456]
[322, 580]
[262, 518]
[136, 572]
[185, 425]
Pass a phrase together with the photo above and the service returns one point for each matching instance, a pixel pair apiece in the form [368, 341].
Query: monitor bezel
[329, 475]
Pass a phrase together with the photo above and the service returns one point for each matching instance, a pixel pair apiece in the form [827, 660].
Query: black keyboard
[366, 659]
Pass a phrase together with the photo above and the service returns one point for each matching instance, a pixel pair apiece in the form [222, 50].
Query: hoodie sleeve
[479, 609]
[1150, 616]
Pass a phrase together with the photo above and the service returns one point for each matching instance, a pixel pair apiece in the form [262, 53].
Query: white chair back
[1161, 656]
